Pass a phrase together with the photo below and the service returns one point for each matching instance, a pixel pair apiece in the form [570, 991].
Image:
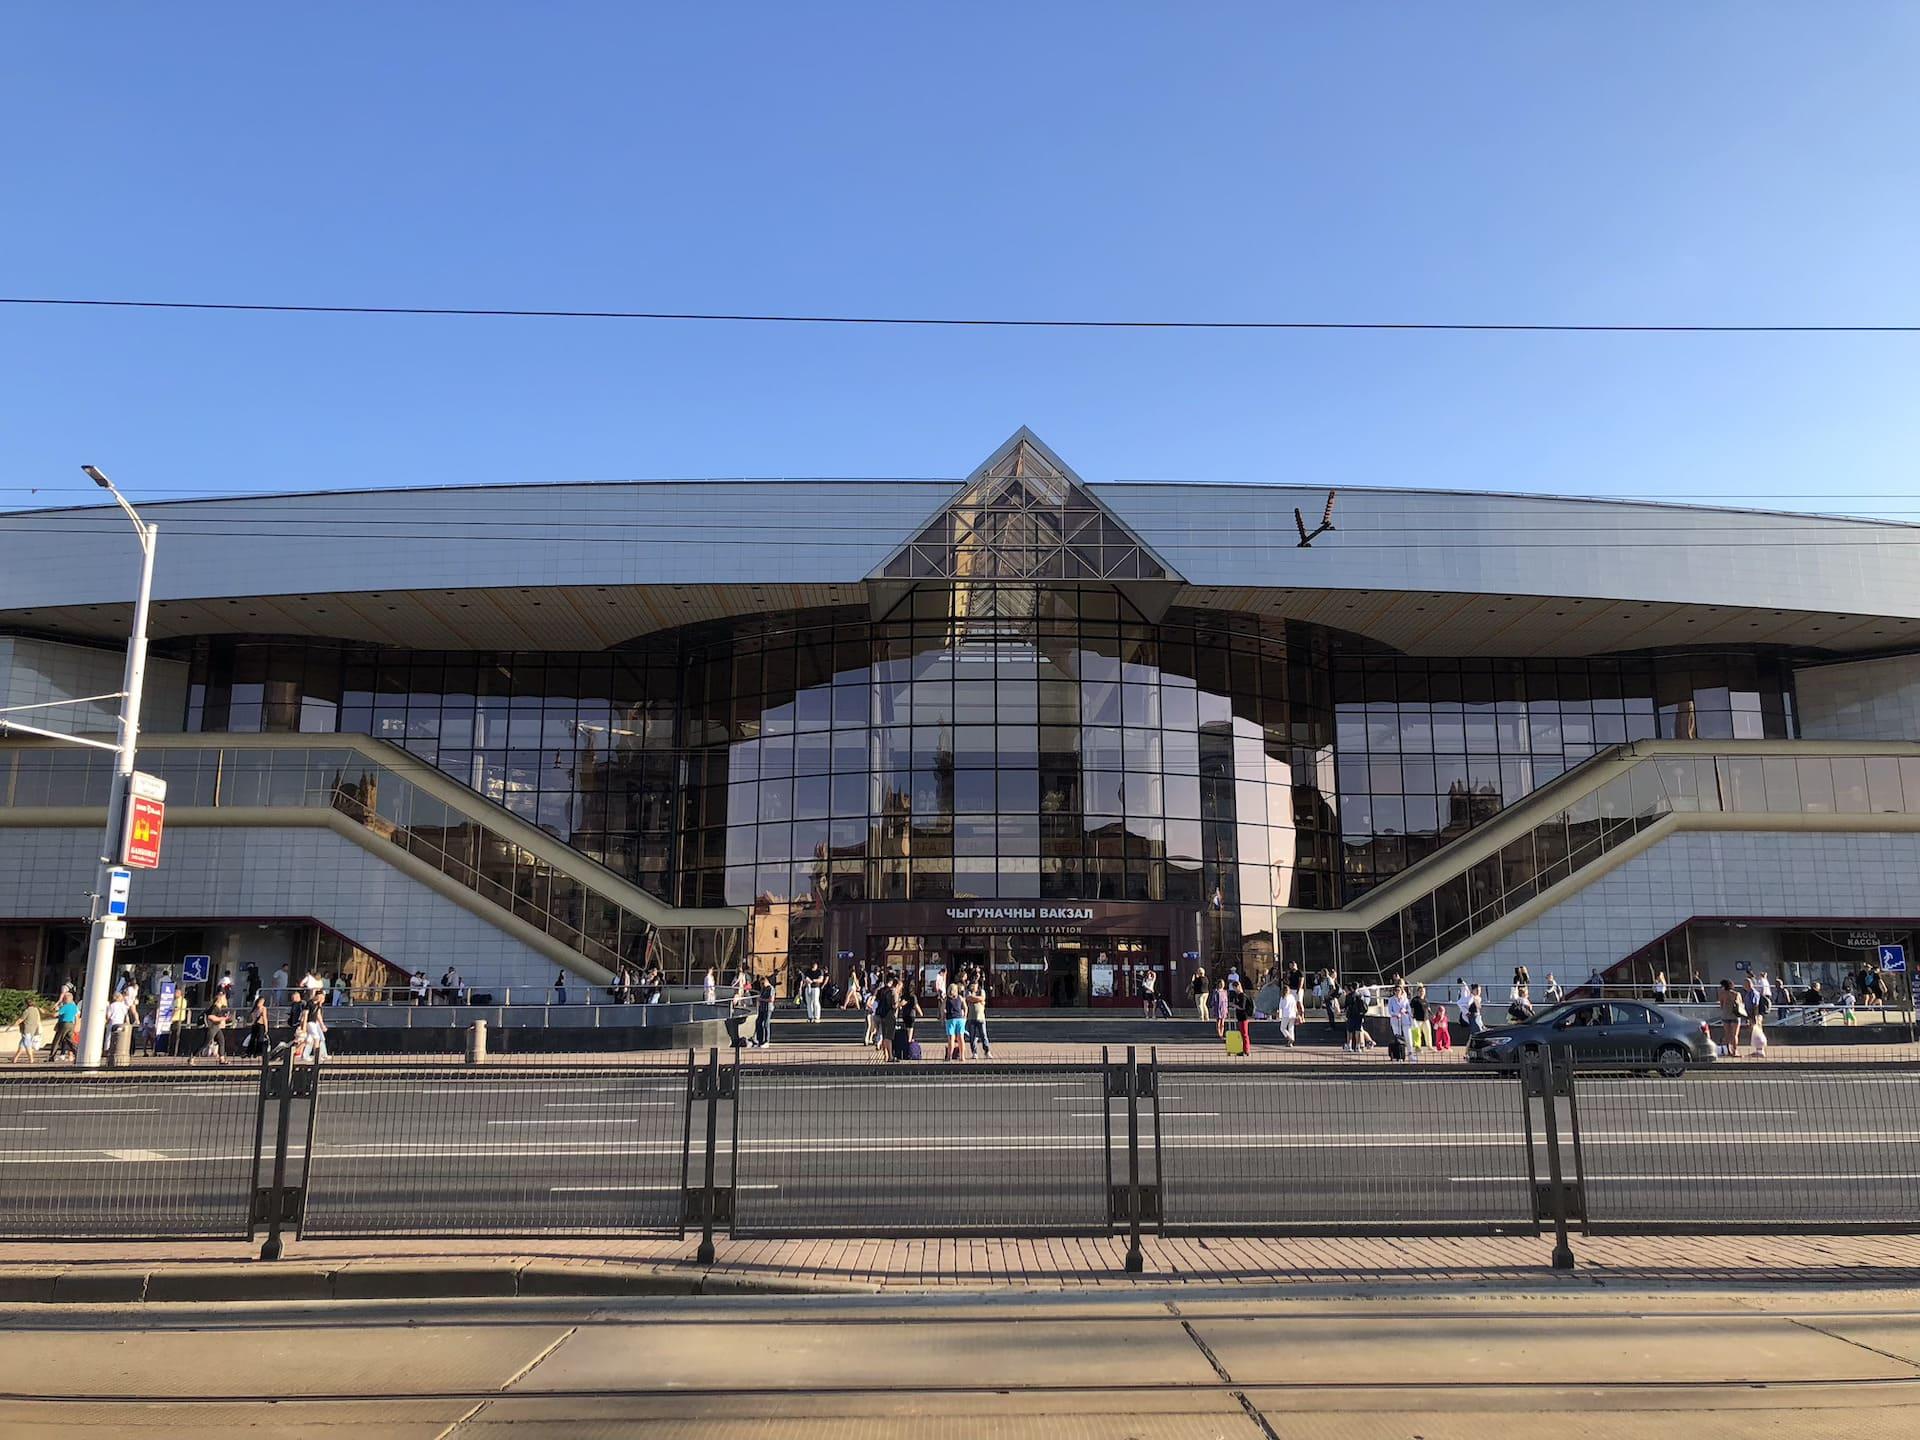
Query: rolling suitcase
[1396, 1049]
[1236, 1044]
[913, 1050]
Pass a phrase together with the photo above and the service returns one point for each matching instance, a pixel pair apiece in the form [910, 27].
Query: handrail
[1454, 897]
[513, 866]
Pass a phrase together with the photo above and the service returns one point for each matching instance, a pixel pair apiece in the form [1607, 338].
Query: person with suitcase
[1400, 1018]
[905, 1047]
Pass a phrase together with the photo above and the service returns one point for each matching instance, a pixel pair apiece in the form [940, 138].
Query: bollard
[477, 1043]
[122, 1048]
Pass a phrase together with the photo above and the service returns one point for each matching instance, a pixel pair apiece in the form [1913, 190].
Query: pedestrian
[708, 986]
[251, 972]
[416, 987]
[906, 1014]
[560, 988]
[1463, 995]
[977, 1043]
[450, 987]
[66, 1025]
[116, 1024]
[342, 992]
[280, 984]
[29, 1027]
[1355, 1010]
[1757, 1031]
[1554, 993]
[1243, 1018]
[1732, 1012]
[219, 1012]
[1202, 994]
[1422, 1031]
[259, 1030]
[1519, 1008]
[313, 1034]
[1289, 1016]
[1400, 1021]
[1659, 987]
[954, 1012]
[1220, 1008]
[1148, 1000]
[810, 983]
[880, 1011]
[763, 1017]
[1846, 1003]
[1474, 1012]
[1442, 1036]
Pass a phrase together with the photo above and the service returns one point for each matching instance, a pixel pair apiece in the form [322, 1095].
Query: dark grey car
[1629, 1033]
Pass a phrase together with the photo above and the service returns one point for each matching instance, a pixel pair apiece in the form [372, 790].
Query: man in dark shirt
[1356, 1012]
[763, 1020]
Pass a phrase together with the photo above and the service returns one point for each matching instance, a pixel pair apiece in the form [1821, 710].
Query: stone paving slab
[1448, 1264]
[1491, 1350]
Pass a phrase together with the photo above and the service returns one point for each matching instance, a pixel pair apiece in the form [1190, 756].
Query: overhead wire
[495, 312]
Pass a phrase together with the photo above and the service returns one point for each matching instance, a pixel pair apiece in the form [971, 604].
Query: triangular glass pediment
[1024, 516]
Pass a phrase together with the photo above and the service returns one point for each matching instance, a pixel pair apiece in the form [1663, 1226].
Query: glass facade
[1007, 741]
[1430, 748]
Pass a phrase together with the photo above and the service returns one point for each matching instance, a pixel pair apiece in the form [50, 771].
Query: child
[1757, 1035]
[1846, 1004]
[1442, 1037]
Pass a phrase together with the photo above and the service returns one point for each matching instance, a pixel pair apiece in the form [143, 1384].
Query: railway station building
[1073, 732]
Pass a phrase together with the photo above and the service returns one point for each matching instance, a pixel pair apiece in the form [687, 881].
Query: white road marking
[642, 1189]
[136, 1154]
[1723, 1112]
[100, 1110]
[601, 1104]
[23, 1129]
[604, 1120]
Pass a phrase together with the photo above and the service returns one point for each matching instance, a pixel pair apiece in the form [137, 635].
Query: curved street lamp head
[93, 474]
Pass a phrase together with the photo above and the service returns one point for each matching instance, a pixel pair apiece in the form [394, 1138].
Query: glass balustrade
[450, 838]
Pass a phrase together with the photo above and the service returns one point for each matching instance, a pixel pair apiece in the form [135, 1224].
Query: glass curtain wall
[1428, 749]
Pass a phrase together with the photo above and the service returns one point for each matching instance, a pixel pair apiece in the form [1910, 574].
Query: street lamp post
[93, 1013]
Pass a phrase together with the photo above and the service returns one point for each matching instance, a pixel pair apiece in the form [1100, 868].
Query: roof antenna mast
[1326, 523]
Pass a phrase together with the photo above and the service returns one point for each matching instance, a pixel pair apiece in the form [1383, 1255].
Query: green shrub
[14, 1002]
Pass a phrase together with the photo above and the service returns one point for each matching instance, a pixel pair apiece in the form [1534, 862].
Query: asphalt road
[1000, 1149]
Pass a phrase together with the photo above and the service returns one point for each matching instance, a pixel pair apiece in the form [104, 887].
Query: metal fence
[1797, 1148]
[126, 1155]
[1393, 1149]
[529, 1152]
[1112, 1145]
[915, 1150]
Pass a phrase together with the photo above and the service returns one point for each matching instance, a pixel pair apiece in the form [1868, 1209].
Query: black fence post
[1550, 1105]
[1136, 1260]
[279, 1087]
[705, 1253]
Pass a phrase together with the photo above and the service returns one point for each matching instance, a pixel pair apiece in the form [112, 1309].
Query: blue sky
[1531, 161]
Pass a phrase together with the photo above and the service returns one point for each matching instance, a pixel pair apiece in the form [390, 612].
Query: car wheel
[1673, 1061]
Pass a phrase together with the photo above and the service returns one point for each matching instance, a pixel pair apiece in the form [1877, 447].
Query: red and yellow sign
[143, 832]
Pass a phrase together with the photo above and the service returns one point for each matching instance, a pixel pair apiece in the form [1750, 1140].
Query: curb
[245, 1280]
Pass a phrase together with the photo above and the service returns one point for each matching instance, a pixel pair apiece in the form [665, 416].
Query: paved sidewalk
[1438, 1265]
[1168, 1366]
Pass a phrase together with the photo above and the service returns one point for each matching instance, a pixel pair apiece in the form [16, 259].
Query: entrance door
[1066, 978]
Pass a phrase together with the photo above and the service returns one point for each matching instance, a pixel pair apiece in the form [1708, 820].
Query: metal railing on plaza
[1122, 1143]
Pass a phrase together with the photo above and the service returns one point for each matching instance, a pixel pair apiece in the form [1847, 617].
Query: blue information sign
[1893, 958]
[194, 968]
